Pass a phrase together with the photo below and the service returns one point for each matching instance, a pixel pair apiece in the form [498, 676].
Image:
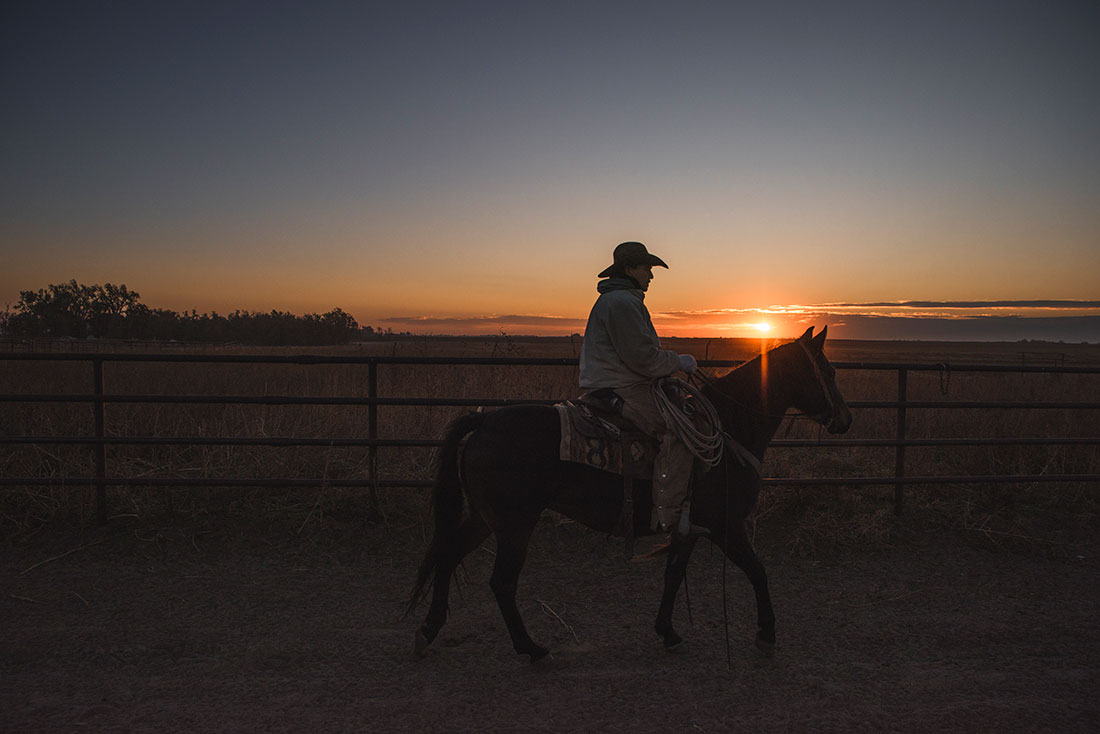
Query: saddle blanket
[606, 442]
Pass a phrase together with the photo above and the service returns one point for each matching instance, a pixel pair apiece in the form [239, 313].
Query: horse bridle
[826, 415]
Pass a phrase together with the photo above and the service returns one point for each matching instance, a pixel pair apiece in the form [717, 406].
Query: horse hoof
[540, 655]
[676, 648]
[421, 644]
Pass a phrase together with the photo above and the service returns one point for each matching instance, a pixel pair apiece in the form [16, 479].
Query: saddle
[594, 433]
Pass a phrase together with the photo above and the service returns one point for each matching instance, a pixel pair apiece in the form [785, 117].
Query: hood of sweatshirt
[620, 284]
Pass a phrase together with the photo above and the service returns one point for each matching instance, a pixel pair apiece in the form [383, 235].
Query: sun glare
[763, 327]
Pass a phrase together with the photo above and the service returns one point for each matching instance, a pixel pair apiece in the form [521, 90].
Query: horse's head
[817, 395]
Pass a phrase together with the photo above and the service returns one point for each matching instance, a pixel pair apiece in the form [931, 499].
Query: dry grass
[1044, 516]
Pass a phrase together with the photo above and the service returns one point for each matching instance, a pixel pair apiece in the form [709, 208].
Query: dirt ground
[175, 629]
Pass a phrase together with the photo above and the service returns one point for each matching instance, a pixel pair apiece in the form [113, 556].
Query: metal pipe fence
[99, 439]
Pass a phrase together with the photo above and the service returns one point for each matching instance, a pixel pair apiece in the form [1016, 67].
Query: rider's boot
[680, 530]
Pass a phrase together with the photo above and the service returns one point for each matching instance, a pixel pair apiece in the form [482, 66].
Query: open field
[280, 610]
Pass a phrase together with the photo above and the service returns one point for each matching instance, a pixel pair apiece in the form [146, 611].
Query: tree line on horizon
[80, 311]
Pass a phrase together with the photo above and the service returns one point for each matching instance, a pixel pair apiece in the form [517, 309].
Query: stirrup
[659, 548]
[691, 531]
[685, 528]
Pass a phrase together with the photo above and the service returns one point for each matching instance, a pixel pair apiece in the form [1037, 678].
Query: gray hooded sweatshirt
[621, 347]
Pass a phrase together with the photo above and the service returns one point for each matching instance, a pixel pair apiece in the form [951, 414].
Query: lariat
[694, 420]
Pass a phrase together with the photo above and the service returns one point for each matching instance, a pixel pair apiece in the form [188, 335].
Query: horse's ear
[807, 334]
[819, 340]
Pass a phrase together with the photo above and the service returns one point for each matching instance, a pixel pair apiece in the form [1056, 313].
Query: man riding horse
[620, 359]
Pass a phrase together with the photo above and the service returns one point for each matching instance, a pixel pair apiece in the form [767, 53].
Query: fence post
[899, 456]
[100, 446]
[373, 513]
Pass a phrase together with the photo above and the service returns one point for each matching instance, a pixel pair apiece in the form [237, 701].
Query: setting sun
[763, 327]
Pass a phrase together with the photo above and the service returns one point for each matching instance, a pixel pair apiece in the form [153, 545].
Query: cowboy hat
[631, 253]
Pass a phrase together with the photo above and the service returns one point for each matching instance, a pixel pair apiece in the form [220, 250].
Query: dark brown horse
[509, 472]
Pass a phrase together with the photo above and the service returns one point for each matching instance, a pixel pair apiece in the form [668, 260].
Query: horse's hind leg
[739, 549]
[471, 533]
[511, 555]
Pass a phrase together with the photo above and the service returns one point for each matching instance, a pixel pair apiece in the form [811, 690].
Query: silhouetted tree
[110, 311]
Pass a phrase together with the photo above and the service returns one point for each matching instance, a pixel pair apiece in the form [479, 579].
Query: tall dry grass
[808, 516]
[1049, 516]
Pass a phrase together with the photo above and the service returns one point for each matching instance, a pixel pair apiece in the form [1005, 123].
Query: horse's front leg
[738, 548]
[675, 568]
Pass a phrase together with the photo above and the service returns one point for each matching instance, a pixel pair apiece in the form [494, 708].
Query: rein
[706, 380]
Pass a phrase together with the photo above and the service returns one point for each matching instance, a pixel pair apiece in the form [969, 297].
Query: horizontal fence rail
[98, 441]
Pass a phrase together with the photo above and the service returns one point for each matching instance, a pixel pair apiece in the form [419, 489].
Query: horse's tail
[446, 502]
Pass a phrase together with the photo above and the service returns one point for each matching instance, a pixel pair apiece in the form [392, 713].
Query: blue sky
[470, 166]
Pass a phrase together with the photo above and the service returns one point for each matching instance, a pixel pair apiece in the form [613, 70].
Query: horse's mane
[743, 388]
[745, 368]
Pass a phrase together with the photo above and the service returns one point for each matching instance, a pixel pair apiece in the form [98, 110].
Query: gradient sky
[467, 167]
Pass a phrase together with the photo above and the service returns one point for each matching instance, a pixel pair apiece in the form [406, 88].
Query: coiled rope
[694, 420]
